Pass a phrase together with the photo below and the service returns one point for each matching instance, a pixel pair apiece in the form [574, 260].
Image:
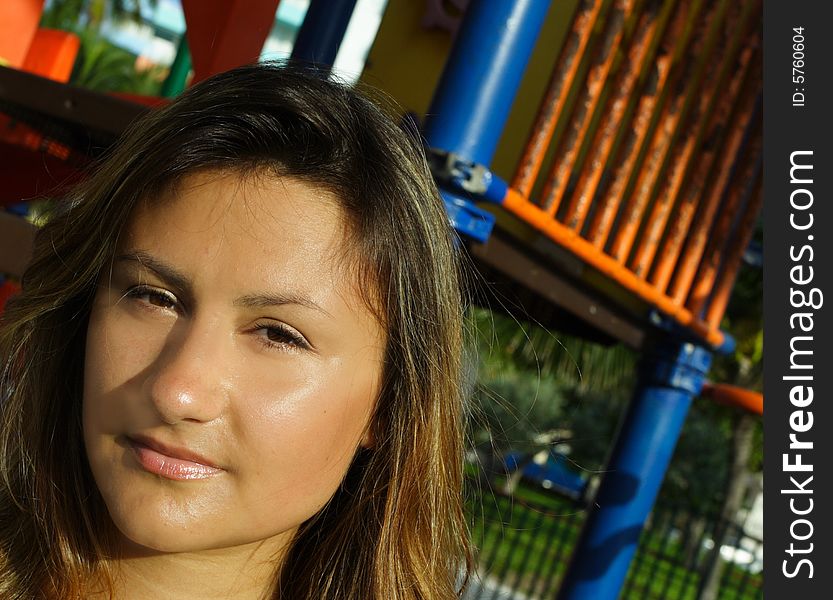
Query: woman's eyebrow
[164, 271]
[267, 300]
[182, 284]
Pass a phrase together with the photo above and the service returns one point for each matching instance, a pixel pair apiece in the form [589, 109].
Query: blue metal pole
[472, 102]
[672, 373]
[482, 75]
[322, 31]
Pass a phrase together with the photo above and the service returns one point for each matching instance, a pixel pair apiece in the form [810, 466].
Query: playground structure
[631, 206]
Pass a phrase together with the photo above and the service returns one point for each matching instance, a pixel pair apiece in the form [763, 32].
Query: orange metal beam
[18, 23]
[711, 121]
[732, 395]
[664, 139]
[594, 92]
[52, 54]
[601, 80]
[667, 69]
[558, 88]
[698, 236]
[641, 113]
[721, 235]
[734, 255]
[615, 120]
[566, 145]
[538, 218]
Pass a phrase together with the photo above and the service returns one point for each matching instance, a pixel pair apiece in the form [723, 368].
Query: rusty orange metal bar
[597, 89]
[617, 118]
[715, 107]
[732, 395]
[697, 237]
[682, 165]
[721, 233]
[566, 145]
[665, 136]
[687, 205]
[734, 256]
[517, 204]
[636, 105]
[722, 240]
[561, 81]
[667, 67]
[713, 256]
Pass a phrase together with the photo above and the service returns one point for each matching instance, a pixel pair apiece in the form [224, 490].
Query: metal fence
[524, 547]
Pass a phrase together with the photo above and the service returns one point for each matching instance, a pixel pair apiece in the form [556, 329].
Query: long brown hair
[395, 529]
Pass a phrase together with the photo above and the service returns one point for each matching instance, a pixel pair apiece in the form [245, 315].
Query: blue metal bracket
[665, 323]
[461, 183]
[466, 218]
[454, 172]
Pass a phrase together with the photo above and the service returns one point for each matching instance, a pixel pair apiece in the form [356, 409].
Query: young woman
[234, 367]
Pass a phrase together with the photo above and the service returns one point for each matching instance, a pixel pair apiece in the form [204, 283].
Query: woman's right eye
[152, 296]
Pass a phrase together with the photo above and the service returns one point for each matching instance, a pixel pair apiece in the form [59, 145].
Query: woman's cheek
[309, 424]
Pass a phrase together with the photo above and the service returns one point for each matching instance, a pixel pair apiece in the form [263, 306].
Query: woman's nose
[189, 380]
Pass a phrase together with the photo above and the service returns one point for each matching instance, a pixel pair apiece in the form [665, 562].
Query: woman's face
[231, 364]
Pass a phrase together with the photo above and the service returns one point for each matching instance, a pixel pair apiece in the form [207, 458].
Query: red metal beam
[223, 34]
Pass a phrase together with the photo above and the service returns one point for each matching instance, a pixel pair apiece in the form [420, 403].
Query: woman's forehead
[254, 199]
[266, 226]
[254, 230]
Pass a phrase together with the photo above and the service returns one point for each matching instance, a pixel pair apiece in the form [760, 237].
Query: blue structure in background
[465, 122]
[554, 474]
[671, 374]
[472, 102]
[322, 31]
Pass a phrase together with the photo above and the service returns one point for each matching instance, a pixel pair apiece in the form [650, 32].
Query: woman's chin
[137, 543]
[138, 539]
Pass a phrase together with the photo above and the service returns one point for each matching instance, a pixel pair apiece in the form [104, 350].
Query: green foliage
[515, 407]
[699, 470]
[520, 395]
[531, 393]
[592, 418]
[71, 15]
[103, 67]
[569, 359]
[744, 320]
[63, 14]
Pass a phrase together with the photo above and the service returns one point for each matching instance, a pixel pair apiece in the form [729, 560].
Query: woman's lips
[157, 459]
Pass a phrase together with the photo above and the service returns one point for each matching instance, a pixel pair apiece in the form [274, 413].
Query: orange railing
[650, 126]
[732, 395]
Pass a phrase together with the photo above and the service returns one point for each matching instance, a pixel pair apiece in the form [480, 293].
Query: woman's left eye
[278, 335]
[152, 296]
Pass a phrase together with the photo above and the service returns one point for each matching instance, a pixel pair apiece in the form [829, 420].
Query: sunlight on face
[231, 365]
